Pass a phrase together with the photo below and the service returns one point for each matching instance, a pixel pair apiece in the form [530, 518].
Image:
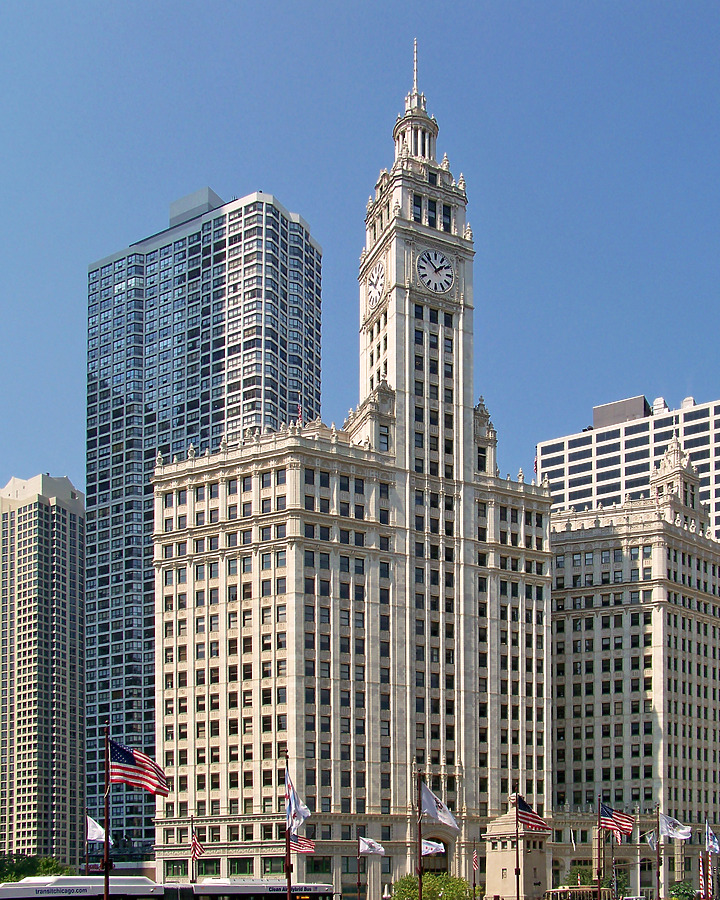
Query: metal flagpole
[613, 882]
[288, 858]
[707, 879]
[473, 868]
[419, 835]
[106, 851]
[192, 848]
[599, 862]
[87, 852]
[657, 849]
[517, 851]
[358, 867]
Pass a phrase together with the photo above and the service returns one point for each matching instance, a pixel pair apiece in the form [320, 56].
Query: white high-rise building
[194, 333]
[42, 705]
[636, 638]
[612, 459]
[374, 600]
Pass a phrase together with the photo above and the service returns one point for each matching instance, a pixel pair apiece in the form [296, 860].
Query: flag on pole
[368, 847]
[651, 839]
[301, 844]
[572, 839]
[702, 877]
[436, 809]
[527, 816]
[295, 810]
[711, 842]
[196, 848]
[616, 821]
[133, 767]
[95, 831]
[670, 827]
[430, 848]
[476, 863]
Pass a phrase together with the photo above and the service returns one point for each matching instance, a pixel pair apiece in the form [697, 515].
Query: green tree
[14, 868]
[434, 886]
[682, 890]
[622, 880]
[579, 875]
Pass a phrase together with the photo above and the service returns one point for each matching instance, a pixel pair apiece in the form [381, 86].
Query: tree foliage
[682, 890]
[622, 882]
[579, 875]
[15, 867]
[434, 886]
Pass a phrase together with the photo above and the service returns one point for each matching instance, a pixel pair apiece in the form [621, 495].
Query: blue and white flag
[430, 848]
[711, 842]
[670, 827]
[295, 810]
[436, 809]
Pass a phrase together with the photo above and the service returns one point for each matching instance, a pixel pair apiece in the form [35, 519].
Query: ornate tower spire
[415, 130]
[415, 66]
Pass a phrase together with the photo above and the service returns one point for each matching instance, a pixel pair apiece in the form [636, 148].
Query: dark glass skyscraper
[195, 334]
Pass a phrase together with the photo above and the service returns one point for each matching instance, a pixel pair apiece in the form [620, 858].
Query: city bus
[126, 887]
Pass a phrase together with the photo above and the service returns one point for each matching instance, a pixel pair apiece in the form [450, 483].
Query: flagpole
[707, 879]
[106, 850]
[599, 863]
[358, 867]
[613, 883]
[192, 855]
[419, 834]
[657, 849]
[517, 851]
[288, 859]
[87, 852]
[473, 868]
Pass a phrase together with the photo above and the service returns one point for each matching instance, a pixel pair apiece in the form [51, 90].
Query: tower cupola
[415, 132]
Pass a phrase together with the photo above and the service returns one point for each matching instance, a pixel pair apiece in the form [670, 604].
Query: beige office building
[636, 631]
[372, 599]
[42, 768]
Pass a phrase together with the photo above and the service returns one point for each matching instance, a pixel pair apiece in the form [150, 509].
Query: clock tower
[416, 309]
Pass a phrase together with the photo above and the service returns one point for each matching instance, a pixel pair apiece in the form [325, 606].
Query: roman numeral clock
[435, 271]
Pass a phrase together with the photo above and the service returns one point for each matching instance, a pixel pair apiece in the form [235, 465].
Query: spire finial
[415, 66]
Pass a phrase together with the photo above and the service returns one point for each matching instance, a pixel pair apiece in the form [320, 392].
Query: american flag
[702, 877]
[616, 821]
[196, 848]
[476, 864]
[128, 766]
[527, 816]
[301, 844]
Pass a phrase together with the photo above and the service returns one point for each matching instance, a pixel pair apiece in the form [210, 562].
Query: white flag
[295, 810]
[430, 848]
[436, 809]
[369, 847]
[670, 827]
[651, 839]
[95, 832]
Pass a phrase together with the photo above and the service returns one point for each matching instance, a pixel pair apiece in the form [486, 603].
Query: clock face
[435, 271]
[375, 284]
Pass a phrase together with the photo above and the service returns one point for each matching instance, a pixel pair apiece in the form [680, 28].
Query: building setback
[613, 459]
[42, 775]
[636, 641]
[374, 600]
[195, 333]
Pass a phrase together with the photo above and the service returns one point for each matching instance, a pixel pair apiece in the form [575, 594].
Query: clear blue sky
[588, 134]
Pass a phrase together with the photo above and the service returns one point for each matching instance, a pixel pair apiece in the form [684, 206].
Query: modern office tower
[195, 333]
[42, 707]
[373, 600]
[615, 457]
[636, 641]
